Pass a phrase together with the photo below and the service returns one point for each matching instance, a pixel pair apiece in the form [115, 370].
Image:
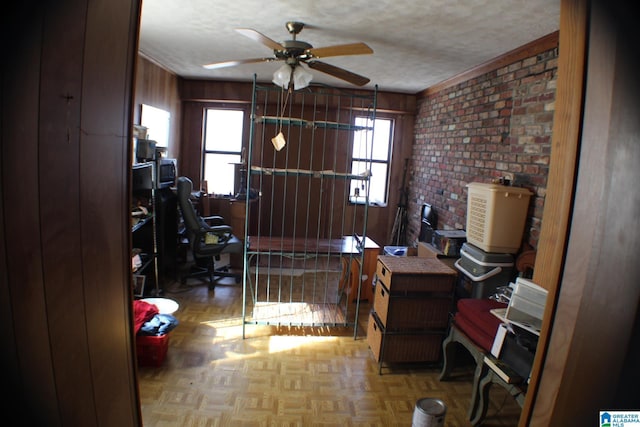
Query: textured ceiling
[416, 43]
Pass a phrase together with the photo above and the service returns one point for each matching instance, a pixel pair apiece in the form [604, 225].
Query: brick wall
[496, 125]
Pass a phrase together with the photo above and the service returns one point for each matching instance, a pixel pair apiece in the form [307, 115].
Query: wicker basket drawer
[415, 274]
[412, 310]
[403, 347]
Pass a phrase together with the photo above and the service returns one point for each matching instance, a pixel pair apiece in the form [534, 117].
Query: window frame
[244, 138]
[371, 161]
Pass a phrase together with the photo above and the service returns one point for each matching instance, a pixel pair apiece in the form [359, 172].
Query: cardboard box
[449, 242]
[426, 250]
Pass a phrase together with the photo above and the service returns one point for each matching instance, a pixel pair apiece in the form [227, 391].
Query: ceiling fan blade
[338, 72]
[338, 50]
[224, 64]
[260, 38]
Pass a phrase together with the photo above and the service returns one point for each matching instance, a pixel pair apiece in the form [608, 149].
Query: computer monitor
[142, 176]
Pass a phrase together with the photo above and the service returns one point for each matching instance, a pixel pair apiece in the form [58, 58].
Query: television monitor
[142, 176]
[145, 150]
[167, 171]
[428, 223]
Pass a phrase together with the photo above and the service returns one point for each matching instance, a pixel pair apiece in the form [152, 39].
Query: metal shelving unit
[298, 264]
[144, 233]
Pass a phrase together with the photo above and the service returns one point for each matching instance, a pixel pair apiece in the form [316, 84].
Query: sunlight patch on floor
[279, 344]
[231, 330]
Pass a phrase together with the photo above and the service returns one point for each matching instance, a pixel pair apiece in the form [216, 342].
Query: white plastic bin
[496, 215]
[396, 250]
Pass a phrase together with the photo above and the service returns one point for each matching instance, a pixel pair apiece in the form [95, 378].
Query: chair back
[189, 215]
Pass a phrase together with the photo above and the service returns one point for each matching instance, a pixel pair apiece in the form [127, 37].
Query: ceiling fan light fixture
[282, 76]
[301, 78]
[287, 74]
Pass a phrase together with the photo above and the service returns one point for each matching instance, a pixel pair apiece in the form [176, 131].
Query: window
[156, 120]
[371, 152]
[222, 149]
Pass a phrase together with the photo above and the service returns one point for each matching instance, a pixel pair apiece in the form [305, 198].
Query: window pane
[381, 140]
[223, 131]
[362, 147]
[377, 183]
[219, 172]
[362, 139]
[371, 145]
[157, 122]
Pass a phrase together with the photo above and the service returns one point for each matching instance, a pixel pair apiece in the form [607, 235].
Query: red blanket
[142, 313]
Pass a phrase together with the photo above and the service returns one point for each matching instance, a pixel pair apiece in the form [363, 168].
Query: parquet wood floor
[288, 376]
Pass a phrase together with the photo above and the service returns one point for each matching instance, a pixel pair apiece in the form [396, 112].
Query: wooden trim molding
[560, 188]
[542, 44]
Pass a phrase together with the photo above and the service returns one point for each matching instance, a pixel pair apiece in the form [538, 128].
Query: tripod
[399, 230]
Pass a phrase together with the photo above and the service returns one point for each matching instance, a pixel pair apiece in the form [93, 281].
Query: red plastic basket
[152, 350]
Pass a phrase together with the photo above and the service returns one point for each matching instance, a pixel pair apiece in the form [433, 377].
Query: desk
[346, 246]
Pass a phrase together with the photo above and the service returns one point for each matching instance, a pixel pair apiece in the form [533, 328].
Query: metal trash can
[429, 413]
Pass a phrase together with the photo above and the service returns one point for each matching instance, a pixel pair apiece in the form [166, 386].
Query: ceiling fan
[295, 52]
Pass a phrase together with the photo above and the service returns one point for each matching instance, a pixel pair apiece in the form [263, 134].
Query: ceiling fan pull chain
[279, 141]
[284, 106]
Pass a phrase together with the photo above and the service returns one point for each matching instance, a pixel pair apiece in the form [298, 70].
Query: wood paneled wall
[199, 95]
[159, 88]
[65, 306]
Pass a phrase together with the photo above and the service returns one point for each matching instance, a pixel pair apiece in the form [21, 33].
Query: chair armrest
[222, 231]
[218, 229]
[214, 219]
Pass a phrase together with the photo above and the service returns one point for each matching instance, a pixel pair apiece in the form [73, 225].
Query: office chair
[209, 237]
